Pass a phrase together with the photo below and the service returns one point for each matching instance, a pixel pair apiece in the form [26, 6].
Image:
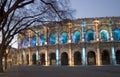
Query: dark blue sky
[95, 8]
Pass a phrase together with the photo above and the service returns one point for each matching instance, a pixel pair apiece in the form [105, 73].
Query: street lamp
[6, 54]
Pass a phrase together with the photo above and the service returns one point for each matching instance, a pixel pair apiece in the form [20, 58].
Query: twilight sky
[95, 8]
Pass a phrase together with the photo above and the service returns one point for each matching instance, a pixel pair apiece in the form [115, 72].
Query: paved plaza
[62, 71]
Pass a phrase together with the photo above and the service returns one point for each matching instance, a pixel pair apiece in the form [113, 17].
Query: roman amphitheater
[85, 41]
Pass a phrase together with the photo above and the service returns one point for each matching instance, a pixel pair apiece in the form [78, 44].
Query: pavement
[62, 71]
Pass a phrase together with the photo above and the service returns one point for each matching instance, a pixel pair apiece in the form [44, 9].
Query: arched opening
[34, 41]
[52, 39]
[42, 59]
[89, 35]
[64, 38]
[34, 58]
[42, 39]
[118, 57]
[27, 59]
[76, 37]
[116, 35]
[91, 58]
[77, 58]
[105, 57]
[104, 35]
[64, 58]
[27, 42]
[52, 59]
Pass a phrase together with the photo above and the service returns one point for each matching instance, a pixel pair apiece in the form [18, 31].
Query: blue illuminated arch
[22, 43]
[116, 34]
[76, 37]
[64, 38]
[89, 35]
[52, 39]
[34, 41]
[104, 35]
[42, 39]
[27, 42]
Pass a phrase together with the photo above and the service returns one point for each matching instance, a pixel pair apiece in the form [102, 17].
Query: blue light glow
[116, 35]
[42, 39]
[57, 56]
[104, 35]
[27, 42]
[52, 39]
[64, 38]
[76, 37]
[83, 56]
[34, 41]
[113, 56]
[89, 35]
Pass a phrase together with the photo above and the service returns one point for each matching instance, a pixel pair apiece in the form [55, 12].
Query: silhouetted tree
[18, 15]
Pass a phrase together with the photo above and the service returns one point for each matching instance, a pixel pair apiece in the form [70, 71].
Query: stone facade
[87, 41]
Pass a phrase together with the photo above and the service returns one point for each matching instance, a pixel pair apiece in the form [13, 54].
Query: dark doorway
[91, 58]
[64, 58]
[52, 59]
[34, 58]
[27, 59]
[42, 59]
[77, 58]
[105, 57]
[118, 57]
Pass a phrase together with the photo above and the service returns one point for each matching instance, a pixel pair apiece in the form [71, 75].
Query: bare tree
[18, 15]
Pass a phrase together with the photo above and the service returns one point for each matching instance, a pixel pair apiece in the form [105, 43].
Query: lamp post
[6, 54]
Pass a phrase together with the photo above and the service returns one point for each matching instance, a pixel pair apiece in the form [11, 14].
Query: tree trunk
[1, 65]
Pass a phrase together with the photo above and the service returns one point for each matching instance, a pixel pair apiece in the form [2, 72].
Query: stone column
[113, 56]
[58, 61]
[30, 57]
[70, 44]
[98, 57]
[84, 56]
[96, 30]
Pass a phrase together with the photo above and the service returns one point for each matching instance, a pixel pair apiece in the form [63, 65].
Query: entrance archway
[91, 58]
[42, 59]
[27, 59]
[118, 57]
[77, 58]
[52, 59]
[105, 57]
[64, 58]
[34, 58]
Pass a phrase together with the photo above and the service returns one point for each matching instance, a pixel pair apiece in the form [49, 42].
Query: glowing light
[37, 55]
[57, 56]
[34, 41]
[52, 39]
[89, 35]
[113, 56]
[84, 56]
[42, 39]
[64, 38]
[116, 34]
[76, 37]
[104, 35]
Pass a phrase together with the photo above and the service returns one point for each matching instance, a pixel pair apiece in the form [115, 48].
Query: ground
[62, 71]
